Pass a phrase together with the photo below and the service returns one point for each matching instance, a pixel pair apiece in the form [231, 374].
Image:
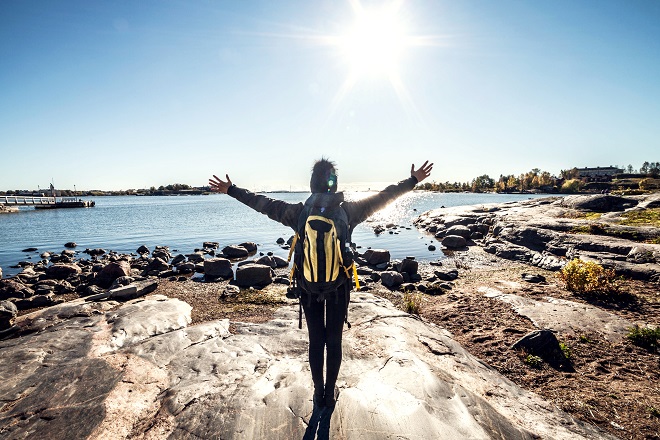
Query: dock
[46, 202]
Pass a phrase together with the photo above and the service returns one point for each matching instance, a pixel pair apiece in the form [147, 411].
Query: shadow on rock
[319, 424]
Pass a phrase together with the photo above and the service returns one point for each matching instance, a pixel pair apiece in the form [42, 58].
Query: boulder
[185, 268]
[230, 290]
[210, 245]
[249, 246]
[156, 265]
[391, 278]
[218, 268]
[195, 257]
[70, 244]
[436, 288]
[280, 262]
[94, 252]
[454, 242]
[267, 261]
[62, 271]
[542, 343]
[111, 272]
[0, 273]
[254, 275]
[125, 293]
[162, 252]
[8, 312]
[234, 251]
[122, 281]
[533, 278]
[178, 259]
[143, 250]
[408, 266]
[460, 230]
[598, 203]
[377, 256]
[446, 275]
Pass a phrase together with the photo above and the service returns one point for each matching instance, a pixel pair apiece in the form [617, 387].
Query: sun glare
[374, 43]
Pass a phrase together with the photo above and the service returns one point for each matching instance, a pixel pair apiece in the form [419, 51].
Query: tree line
[534, 180]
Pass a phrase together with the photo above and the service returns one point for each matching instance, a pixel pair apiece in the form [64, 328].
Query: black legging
[325, 334]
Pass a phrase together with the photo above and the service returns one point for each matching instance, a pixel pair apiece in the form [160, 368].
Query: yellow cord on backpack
[355, 275]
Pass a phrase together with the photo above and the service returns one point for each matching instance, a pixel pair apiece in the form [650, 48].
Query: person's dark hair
[324, 177]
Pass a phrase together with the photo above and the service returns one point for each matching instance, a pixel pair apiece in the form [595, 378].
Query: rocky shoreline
[549, 232]
[161, 367]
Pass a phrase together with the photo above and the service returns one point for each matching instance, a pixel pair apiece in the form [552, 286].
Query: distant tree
[482, 183]
[630, 169]
[644, 169]
[546, 179]
[573, 173]
[654, 169]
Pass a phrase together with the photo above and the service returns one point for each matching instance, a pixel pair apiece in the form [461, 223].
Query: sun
[373, 45]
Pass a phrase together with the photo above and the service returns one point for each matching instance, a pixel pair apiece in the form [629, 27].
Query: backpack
[323, 257]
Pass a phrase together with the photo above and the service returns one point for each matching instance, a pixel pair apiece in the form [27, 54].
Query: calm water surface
[183, 223]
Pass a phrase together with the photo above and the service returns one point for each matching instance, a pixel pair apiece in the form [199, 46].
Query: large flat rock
[137, 370]
[564, 316]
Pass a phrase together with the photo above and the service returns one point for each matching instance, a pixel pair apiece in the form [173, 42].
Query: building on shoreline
[598, 174]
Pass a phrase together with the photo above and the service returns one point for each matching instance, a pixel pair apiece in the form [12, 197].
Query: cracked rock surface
[109, 370]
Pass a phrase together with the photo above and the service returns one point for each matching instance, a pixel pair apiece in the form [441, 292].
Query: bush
[587, 277]
[571, 186]
[646, 337]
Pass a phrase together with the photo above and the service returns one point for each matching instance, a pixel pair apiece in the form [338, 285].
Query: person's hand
[422, 172]
[217, 185]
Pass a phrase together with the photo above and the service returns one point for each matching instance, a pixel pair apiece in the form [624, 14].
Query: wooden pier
[46, 202]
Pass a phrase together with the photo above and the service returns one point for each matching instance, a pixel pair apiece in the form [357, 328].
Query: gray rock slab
[136, 370]
[564, 316]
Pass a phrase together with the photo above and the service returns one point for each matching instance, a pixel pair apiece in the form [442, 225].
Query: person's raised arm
[217, 185]
[278, 210]
[359, 210]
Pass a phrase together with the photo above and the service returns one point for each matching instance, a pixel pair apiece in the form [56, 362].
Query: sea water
[184, 223]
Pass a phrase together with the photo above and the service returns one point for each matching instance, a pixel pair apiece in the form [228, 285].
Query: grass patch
[642, 217]
[412, 303]
[588, 277]
[645, 337]
[565, 350]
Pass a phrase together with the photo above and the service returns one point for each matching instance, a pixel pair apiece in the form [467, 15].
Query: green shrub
[412, 303]
[587, 277]
[565, 350]
[646, 337]
[533, 361]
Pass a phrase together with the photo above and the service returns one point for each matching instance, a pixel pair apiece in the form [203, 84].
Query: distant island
[610, 179]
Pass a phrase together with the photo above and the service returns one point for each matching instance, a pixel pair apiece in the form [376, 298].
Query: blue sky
[133, 94]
